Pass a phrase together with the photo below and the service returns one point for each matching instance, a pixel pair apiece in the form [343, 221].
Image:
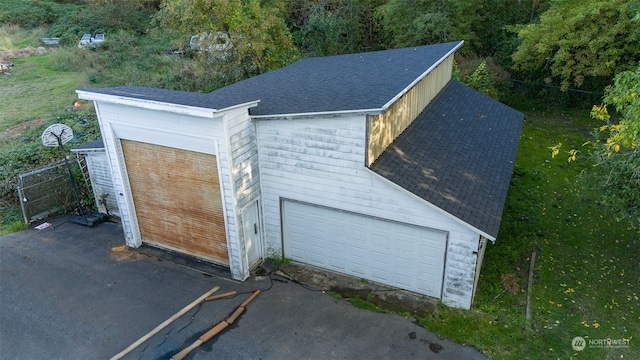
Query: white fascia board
[155, 105]
[376, 111]
[414, 82]
[450, 216]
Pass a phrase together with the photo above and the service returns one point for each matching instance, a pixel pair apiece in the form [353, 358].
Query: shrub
[27, 14]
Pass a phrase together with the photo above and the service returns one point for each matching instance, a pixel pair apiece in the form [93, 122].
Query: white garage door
[392, 253]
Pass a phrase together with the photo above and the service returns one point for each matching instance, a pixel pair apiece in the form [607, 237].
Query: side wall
[241, 135]
[182, 131]
[101, 182]
[320, 161]
[384, 128]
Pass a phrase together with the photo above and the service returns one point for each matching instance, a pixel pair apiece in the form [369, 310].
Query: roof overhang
[159, 105]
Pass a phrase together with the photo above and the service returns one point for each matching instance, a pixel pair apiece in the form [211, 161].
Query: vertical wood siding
[384, 128]
[321, 161]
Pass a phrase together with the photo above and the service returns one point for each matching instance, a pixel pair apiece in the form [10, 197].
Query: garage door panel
[177, 198]
[401, 255]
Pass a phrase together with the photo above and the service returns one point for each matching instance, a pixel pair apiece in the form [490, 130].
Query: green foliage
[259, 38]
[481, 74]
[491, 21]
[26, 13]
[322, 28]
[580, 43]
[322, 35]
[365, 304]
[12, 219]
[617, 155]
[481, 81]
[624, 96]
[276, 258]
[74, 21]
[411, 23]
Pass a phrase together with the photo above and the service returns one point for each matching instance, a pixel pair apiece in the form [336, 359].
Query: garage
[177, 199]
[392, 253]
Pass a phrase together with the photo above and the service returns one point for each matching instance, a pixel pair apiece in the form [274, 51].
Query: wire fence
[45, 191]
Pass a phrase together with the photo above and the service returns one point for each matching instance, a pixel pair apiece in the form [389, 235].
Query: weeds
[276, 258]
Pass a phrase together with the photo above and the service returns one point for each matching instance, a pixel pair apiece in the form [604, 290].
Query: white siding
[321, 161]
[207, 135]
[101, 182]
[241, 135]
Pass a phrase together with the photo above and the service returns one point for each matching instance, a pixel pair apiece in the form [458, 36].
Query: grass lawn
[586, 271]
[35, 89]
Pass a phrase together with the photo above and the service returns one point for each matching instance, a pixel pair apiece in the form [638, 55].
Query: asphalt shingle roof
[335, 83]
[458, 155]
[323, 84]
[158, 95]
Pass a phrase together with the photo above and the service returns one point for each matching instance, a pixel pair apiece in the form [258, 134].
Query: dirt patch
[7, 55]
[16, 130]
[385, 297]
[123, 253]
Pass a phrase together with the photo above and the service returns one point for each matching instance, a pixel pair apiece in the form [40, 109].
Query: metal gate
[45, 191]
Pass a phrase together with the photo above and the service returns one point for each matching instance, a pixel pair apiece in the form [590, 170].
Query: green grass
[14, 37]
[586, 273]
[36, 89]
[364, 304]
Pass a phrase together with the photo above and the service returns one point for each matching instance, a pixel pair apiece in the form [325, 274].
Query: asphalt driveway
[71, 292]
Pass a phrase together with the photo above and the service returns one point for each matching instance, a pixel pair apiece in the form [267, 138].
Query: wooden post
[531, 265]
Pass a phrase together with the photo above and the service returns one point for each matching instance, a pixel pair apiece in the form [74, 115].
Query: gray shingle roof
[158, 95]
[458, 155]
[335, 83]
[93, 145]
[324, 84]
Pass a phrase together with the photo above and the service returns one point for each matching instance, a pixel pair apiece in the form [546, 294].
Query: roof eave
[158, 105]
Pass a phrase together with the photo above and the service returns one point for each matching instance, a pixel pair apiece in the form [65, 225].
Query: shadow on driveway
[71, 292]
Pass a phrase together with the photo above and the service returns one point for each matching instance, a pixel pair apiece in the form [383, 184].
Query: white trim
[216, 146]
[414, 82]
[128, 194]
[158, 105]
[452, 217]
[242, 267]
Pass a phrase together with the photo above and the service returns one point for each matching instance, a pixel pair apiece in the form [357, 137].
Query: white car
[88, 41]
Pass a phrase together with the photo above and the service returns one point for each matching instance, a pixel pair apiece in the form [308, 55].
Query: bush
[26, 14]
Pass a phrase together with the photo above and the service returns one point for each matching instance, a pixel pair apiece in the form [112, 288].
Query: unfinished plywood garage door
[392, 253]
[177, 198]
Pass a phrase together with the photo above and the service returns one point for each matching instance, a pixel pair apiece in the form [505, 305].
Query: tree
[332, 27]
[578, 41]
[422, 22]
[617, 157]
[259, 38]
